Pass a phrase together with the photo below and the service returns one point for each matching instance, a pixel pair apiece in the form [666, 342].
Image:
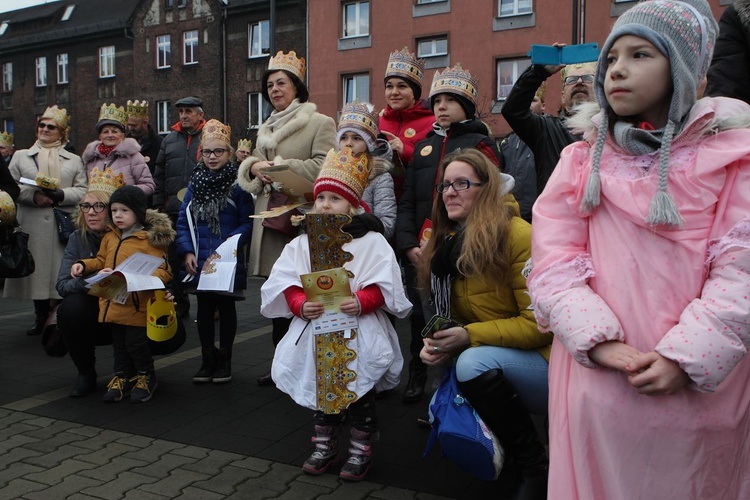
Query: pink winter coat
[127, 159]
[684, 293]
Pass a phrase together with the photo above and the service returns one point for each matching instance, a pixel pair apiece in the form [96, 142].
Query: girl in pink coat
[641, 268]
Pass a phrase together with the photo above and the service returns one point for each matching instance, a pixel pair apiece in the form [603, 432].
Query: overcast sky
[6, 5]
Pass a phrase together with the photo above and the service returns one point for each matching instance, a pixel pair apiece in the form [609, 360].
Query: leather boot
[496, 400]
[223, 372]
[414, 390]
[208, 365]
[326, 441]
[84, 385]
[360, 455]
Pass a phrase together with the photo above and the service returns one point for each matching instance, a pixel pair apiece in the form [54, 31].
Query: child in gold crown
[376, 286]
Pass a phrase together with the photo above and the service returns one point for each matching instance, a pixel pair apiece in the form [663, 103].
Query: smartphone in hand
[437, 323]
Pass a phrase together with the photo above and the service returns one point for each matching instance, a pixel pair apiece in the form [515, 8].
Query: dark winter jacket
[76, 250]
[178, 155]
[234, 219]
[7, 182]
[729, 73]
[421, 175]
[546, 135]
[150, 145]
[518, 161]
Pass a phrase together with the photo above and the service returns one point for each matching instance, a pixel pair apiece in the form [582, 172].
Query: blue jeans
[525, 369]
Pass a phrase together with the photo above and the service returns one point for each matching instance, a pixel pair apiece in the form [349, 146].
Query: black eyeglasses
[98, 207]
[459, 185]
[47, 126]
[216, 152]
[570, 80]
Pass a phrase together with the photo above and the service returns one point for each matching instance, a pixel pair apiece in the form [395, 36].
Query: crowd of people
[622, 316]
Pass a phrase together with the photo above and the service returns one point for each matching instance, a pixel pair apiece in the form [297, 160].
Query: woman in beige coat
[295, 135]
[47, 157]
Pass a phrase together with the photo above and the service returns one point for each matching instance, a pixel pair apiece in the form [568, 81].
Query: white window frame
[517, 8]
[107, 61]
[433, 43]
[163, 51]
[350, 85]
[517, 66]
[163, 126]
[68, 12]
[190, 47]
[262, 29]
[424, 2]
[361, 22]
[8, 77]
[62, 69]
[41, 71]
[256, 104]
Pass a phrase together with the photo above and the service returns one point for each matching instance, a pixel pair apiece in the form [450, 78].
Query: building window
[162, 117]
[181, 4]
[41, 71]
[258, 109]
[508, 72]
[169, 4]
[356, 19]
[9, 126]
[7, 77]
[513, 7]
[68, 12]
[107, 61]
[190, 47]
[257, 37]
[357, 88]
[163, 51]
[432, 47]
[62, 68]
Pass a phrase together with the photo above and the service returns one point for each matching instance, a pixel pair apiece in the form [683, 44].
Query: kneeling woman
[473, 266]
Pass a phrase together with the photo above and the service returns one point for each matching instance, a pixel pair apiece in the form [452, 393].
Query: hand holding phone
[437, 323]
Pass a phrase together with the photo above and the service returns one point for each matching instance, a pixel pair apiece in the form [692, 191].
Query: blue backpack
[463, 436]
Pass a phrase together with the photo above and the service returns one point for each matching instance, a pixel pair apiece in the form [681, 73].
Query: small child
[377, 288]
[136, 230]
[358, 131]
[214, 209]
[641, 249]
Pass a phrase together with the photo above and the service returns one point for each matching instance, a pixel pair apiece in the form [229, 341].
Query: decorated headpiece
[137, 109]
[7, 210]
[459, 82]
[404, 64]
[61, 118]
[105, 181]
[109, 114]
[359, 117]
[345, 174]
[288, 62]
[6, 139]
[214, 129]
[245, 145]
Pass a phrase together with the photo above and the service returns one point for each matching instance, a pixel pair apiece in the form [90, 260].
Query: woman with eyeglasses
[48, 158]
[474, 269]
[214, 209]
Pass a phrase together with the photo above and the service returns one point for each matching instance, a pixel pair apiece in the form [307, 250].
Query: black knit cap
[467, 105]
[132, 197]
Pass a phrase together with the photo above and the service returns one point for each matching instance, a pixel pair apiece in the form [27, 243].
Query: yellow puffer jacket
[501, 319]
[153, 240]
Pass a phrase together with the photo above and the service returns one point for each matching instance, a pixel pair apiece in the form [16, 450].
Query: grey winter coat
[380, 195]
[76, 250]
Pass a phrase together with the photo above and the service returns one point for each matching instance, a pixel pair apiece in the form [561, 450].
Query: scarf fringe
[441, 294]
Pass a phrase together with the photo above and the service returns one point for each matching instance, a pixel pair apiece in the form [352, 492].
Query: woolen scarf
[442, 271]
[48, 159]
[105, 150]
[211, 190]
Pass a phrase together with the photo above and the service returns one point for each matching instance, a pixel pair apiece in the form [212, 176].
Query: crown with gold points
[359, 117]
[109, 114]
[455, 80]
[404, 64]
[345, 174]
[60, 116]
[289, 62]
[6, 139]
[245, 145]
[137, 109]
[214, 129]
[106, 181]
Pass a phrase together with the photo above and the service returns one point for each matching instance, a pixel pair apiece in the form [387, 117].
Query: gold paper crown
[344, 173]
[289, 62]
[359, 116]
[404, 64]
[59, 116]
[6, 139]
[137, 109]
[106, 181]
[113, 113]
[214, 129]
[455, 80]
[245, 144]
[541, 92]
[7, 210]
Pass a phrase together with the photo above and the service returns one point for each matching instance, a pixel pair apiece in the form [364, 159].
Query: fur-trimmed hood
[127, 147]
[743, 10]
[158, 230]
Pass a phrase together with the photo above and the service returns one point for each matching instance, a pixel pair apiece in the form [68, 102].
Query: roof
[43, 24]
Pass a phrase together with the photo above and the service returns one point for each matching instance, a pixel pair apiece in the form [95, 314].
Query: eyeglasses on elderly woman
[457, 185]
[48, 126]
[98, 207]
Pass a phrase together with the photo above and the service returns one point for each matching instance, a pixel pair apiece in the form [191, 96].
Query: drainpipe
[574, 36]
[272, 28]
[583, 22]
[224, 4]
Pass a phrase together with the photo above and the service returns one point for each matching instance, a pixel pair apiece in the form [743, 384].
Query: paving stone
[20, 487]
[134, 440]
[58, 474]
[16, 441]
[47, 428]
[162, 467]
[106, 454]
[252, 463]
[303, 491]
[110, 471]
[391, 493]
[173, 485]
[87, 430]
[70, 485]
[192, 451]
[326, 480]
[10, 417]
[245, 491]
[17, 428]
[139, 494]
[113, 490]
[99, 440]
[53, 459]
[278, 478]
[191, 493]
[154, 451]
[428, 496]
[51, 443]
[81, 496]
[16, 455]
[227, 480]
[43, 422]
[214, 462]
[351, 491]
[15, 471]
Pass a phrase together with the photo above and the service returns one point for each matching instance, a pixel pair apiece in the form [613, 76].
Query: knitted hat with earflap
[685, 33]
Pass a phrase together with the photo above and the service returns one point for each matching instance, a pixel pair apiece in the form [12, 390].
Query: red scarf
[105, 150]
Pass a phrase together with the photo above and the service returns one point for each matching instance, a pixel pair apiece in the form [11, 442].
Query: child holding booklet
[214, 209]
[136, 230]
[376, 286]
